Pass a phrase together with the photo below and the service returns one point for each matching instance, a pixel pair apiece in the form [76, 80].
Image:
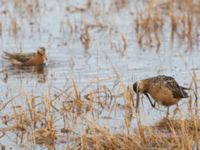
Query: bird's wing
[177, 91]
[22, 57]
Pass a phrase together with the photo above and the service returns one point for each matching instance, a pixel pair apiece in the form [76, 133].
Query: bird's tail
[184, 93]
[6, 53]
[185, 88]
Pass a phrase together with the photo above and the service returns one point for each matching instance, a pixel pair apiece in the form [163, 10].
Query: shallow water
[104, 63]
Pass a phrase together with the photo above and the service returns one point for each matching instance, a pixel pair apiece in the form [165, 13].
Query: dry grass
[147, 28]
[74, 9]
[166, 134]
[119, 4]
[85, 37]
[38, 122]
[13, 28]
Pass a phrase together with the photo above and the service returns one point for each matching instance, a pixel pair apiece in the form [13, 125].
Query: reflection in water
[4, 75]
[40, 72]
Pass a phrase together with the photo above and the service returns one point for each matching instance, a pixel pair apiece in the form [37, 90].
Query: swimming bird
[27, 59]
[163, 89]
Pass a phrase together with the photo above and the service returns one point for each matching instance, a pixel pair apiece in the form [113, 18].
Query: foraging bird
[27, 59]
[163, 89]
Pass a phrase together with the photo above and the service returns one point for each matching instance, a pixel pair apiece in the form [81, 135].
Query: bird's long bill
[137, 102]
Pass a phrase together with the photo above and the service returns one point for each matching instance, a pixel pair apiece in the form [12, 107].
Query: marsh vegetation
[83, 97]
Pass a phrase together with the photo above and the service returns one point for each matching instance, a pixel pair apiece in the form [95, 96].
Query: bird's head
[41, 51]
[135, 87]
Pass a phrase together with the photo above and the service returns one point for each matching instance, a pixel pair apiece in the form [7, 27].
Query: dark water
[105, 63]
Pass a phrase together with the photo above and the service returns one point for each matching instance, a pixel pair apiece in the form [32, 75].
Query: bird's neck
[40, 57]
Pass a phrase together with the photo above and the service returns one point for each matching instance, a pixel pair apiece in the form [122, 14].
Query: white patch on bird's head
[42, 51]
[139, 86]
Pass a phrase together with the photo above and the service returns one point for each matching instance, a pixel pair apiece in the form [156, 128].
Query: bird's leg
[152, 104]
[137, 102]
[167, 111]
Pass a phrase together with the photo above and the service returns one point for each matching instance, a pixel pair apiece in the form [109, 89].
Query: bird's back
[22, 57]
[169, 83]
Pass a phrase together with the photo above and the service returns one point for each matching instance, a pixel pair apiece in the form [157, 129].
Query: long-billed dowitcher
[27, 59]
[163, 89]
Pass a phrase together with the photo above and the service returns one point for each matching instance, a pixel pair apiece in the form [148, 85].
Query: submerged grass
[180, 16]
[149, 22]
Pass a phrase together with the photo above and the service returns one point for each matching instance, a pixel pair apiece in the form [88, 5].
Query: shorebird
[27, 59]
[163, 89]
